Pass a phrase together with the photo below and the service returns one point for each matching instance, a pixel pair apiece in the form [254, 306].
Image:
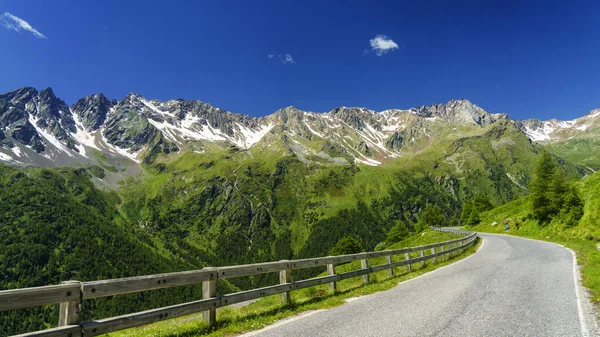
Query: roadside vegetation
[556, 210]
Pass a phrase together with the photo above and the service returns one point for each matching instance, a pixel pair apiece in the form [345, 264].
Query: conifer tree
[541, 204]
[431, 216]
[396, 233]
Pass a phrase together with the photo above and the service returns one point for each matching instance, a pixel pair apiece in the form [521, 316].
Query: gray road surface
[511, 287]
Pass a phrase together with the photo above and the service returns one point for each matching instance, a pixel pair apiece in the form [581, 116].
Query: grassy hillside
[584, 238]
[56, 226]
[580, 151]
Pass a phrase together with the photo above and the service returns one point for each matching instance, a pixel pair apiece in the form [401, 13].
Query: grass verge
[232, 321]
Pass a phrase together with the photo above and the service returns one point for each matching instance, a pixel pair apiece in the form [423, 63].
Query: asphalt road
[511, 287]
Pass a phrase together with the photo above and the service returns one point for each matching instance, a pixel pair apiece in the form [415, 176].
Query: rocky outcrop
[92, 110]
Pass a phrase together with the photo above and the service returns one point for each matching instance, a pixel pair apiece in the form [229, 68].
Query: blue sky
[529, 59]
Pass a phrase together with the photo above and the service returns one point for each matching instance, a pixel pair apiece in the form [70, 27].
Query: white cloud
[17, 24]
[286, 58]
[381, 44]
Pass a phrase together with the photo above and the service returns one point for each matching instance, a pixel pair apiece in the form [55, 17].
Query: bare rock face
[92, 110]
[459, 112]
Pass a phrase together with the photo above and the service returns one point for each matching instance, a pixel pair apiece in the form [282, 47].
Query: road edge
[585, 309]
[446, 266]
[587, 313]
[348, 300]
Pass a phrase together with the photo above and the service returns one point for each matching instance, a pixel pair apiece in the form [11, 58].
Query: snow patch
[17, 151]
[126, 153]
[514, 180]
[5, 157]
[117, 150]
[370, 162]
[49, 137]
[313, 131]
[252, 137]
[82, 137]
[537, 134]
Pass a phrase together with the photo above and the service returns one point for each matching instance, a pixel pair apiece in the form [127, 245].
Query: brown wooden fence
[70, 294]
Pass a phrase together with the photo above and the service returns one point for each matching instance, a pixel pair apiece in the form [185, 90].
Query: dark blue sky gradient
[529, 59]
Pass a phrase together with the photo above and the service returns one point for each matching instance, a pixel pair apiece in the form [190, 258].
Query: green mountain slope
[238, 206]
[56, 226]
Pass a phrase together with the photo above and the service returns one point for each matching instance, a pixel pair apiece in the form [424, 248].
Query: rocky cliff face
[39, 128]
[92, 110]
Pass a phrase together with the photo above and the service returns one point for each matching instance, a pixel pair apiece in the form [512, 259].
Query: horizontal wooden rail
[71, 294]
[62, 331]
[38, 296]
[105, 288]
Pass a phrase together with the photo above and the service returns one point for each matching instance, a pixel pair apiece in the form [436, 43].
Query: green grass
[232, 321]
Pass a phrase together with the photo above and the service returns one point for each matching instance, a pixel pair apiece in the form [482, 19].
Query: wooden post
[364, 264]
[69, 311]
[434, 259]
[388, 260]
[209, 290]
[331, 271]
[284, 277]
[407, 257]
[421, 254]
[443, 256]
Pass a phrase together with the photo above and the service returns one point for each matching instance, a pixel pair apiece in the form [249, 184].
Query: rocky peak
[19, 97]
[459, 111]
[92, 110]
[531, 123]
[289, 114]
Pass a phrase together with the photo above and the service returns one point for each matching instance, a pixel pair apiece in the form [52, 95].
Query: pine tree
[346, 245]
[396, 233]
[482, 203]
[431, 216]
[572, 209]
[474, 217]
[541, 204]
[466, 213]
[557, 190]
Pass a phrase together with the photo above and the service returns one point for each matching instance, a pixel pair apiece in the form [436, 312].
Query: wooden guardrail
[70, 294]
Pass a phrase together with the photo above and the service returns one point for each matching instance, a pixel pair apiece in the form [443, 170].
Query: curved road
[511, 287]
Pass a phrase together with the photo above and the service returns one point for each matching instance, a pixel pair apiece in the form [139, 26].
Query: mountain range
[38, 128]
